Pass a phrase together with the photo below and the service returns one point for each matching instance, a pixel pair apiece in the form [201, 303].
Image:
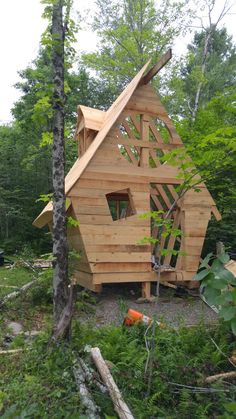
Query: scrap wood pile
[84, 376]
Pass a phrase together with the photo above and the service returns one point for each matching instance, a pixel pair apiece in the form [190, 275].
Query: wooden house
[118, 176]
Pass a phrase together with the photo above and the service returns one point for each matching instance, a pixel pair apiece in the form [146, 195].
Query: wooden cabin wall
[81, 271]
[113, 249]
[195, 215]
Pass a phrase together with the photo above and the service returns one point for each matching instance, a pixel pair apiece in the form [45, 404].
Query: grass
[34, 309]
[10, 277]
[39, 382]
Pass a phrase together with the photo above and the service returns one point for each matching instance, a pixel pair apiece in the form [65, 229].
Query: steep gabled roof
[80, 165]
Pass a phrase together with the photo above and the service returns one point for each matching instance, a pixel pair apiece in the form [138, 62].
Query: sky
[21, 26]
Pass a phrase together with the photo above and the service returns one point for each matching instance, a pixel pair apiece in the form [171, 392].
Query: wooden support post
[144, 152]
[146, 290]
[97, 288]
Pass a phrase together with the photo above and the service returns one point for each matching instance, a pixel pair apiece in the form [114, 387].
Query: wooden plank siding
[118, 151]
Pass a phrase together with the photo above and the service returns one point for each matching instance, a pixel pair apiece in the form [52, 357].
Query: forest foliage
[129, 33]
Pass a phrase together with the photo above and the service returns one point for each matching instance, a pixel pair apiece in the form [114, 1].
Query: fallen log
[120, 406]
[227, 375]
[91, 409]
[15, 294]
[90, 376]
[11, 351]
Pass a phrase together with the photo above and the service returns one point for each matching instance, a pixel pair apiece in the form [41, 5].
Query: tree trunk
[60, 249]
[203, 69]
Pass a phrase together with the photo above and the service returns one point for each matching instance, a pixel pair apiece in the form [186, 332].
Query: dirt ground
[173, 307]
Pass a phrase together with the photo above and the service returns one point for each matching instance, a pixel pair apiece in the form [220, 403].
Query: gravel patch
[173, 308]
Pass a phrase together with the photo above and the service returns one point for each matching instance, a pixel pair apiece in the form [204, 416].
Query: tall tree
[188, 82]
[130, 33]
[207, 42]
[60, 247]
[211, 142]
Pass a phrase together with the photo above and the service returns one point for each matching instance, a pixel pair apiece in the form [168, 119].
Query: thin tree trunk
[203, 69]
[60, 249]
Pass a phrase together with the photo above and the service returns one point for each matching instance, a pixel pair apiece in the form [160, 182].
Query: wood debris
[224, 375]
[120, 406]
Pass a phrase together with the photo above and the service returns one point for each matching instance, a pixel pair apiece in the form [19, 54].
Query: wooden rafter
[156, 68]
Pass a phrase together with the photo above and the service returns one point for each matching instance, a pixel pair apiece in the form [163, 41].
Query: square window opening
[120, 204]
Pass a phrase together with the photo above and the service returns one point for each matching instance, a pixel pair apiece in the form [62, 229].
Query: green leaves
[224, 258]
[202, 274]
[45, 198]
[218, 287]
[206, 260]
[228, 313]
[72, 222]
[233, 326]
[130, 33]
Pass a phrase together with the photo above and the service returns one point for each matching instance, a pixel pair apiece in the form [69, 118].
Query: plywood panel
[163, 174]
[110, 157]
[119, 257]
[108, 185]
[120, 267]
[94, 219]
[92, 210]
[81, 192]
[200, 199]
[83, 278]
[114, 229]
[113, 238]
[124, 277]
[116, 248]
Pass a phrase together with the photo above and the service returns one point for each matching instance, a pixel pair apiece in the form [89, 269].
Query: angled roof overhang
[80, 165]
[89, 118]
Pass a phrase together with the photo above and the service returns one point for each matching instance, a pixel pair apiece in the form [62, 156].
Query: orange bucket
[134, 317]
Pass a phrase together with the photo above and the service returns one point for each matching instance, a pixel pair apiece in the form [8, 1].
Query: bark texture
[60, 248]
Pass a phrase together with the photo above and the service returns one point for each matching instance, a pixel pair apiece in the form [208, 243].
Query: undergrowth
[39, 382]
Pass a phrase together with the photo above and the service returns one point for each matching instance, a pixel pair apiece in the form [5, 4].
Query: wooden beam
[120, 406]
[146, 290]
[144, 155]
[156, 68]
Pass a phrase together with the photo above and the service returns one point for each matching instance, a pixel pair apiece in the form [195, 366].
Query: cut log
[224, 375]
[120, 406]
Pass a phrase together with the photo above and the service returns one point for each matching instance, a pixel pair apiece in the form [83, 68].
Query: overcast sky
[21, 26]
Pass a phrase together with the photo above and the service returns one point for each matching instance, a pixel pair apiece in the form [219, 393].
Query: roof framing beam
[156, 68]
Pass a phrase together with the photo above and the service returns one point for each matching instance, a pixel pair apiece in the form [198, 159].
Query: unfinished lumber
[120, 406]
[146, 290]
[157, 67]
